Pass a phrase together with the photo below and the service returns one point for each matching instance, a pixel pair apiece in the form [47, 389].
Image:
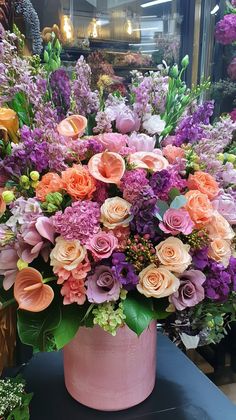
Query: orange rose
[220, 251]
[2, 203]
[78, 182]
[9, 122]
[172, 153]
[173, 254]
[199, 207]
[49, 183]
[157, 282]
[205, 183]
[219, 228]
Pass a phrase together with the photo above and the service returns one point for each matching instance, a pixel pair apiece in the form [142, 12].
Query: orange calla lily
[107, 167]
[72, 126]
[9, 122]
[30, 292]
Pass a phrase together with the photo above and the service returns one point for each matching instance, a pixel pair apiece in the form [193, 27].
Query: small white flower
[153, 124]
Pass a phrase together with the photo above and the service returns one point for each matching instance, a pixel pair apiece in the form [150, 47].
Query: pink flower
[113, 142]
[177, 221]
[8, 266]
[233, 115]
[122, 234]
[79, 273]
[102, 245]
[172, 153]
[226, 206]
[73, 291]
[141, 142]
[127, 122]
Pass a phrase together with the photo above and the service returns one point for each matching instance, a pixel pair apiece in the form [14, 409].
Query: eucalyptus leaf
[178, 202]
[161, 208]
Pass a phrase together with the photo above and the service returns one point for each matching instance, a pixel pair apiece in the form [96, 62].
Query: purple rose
[177, 221]
[190, 291]
[102, 286]
[127, 121]
[142, 142]
[226, 206]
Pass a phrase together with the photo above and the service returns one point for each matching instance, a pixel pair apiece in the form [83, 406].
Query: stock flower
[78, 182]
[176, 221]
[203, 182]
[157, 282]
[115, 212]
[199, 207]
[102, 245]
[67, 254]
[220, 251]
[50, 182]
[190, 292]
[173, 254]
[132, 184]
[225, 31]
[102, 285]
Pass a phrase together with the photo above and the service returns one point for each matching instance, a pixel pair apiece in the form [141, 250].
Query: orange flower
[2, 203]
[107, 167]
[72, 126]
[172, 153]
[9, 122]
[30, 292]
[78, 182]
[199, 207]
[49, 183]
[205, 183]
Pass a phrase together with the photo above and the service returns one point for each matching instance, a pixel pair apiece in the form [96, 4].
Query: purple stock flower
[124, 271]
[61, 90]
[190, 291]
[102, 286]
[133, 183]
[163, 181]
[218, 280]
[143, 210]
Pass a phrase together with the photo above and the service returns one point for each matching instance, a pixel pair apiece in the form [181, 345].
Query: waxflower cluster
[106, 215]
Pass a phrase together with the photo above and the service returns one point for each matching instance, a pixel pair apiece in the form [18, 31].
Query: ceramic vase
[111, 373]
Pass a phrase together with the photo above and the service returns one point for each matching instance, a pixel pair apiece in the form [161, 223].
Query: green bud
[210, 324]
[231, 158]
[46, 56]
[49, 47]
[8, 196]
[54, 198]
[51, 208]
[185, 62]
[185, 100]
[57, 45]
[34, 184]
[174, 71]
[24, 181]
[34, 175]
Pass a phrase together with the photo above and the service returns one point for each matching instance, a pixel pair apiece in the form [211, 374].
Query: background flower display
[115, 208]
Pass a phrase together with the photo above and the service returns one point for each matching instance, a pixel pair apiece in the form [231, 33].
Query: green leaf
[174, 192]
[161, 208]
[138, 312]
[34, 327]
[72, 316]
[178, 202]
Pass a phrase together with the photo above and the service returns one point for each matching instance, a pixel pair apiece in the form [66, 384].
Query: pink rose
[113, 142]
[127, 122]
[141, 142]
[172, 153]
[102, 245]
[177, 221]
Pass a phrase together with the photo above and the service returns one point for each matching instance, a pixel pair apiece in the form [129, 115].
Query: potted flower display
[116, 211]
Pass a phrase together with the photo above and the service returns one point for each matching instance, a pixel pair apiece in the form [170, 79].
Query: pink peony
[126, 122]
[73, 291]
[102, 245]
[113, 142]
[176, 222]
[141, 142]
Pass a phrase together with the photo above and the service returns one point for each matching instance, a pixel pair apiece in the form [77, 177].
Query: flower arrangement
[114, 209]
[14, 402]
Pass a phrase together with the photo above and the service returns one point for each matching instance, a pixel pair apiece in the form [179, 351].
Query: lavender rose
[226, 206]
[102, 286]
[177, 221]
[102, 245]
[190, 291]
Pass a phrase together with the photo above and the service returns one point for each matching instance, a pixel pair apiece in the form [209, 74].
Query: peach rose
[173, 254]
[115, 212]
[2, 203]
[172, 153]
[49, 183]
[157, 282]
[148, 160]
[78, 182]
[67, 254]
[220, 251]
[205, 183]
[219, 228]
[199, 207]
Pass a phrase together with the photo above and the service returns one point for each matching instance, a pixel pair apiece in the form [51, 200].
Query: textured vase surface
[111, 373]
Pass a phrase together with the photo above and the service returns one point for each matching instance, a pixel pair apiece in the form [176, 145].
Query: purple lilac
[163, 181]
[61, 90]
[124, 271]
[132, 184]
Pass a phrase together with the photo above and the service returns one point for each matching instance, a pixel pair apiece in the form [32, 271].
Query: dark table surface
[182, 392]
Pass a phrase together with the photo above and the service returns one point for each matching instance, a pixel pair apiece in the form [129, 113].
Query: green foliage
[52, 53]
[161, 208]
[22, 107]
[14, 402]
[138, 311]
[159, 307]
[178, 202]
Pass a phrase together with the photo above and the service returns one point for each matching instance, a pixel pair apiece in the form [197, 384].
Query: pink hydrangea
[132, 184]
[225, 32]
[233, 115]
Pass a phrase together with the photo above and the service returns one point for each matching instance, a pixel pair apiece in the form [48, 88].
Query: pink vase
[111, 373]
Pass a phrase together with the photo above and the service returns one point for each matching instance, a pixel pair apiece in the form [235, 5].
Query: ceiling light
[153, 3]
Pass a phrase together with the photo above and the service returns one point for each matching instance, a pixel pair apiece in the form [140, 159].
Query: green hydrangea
[109, 316]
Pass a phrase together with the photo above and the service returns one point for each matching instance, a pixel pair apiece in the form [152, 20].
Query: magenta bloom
[190, 291]
[102, 245]
[127, 121]
[102, 286]
[177, 221]
[225, 32]
[233, 115]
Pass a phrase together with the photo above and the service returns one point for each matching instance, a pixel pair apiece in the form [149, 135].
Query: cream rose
[220, 251]
[219, 228]
[173, 254]
[67, 254]
[115, 212]
[157, 282]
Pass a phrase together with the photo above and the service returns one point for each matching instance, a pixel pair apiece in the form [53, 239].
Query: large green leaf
[138, 312]
[72, 316]
[35, 328]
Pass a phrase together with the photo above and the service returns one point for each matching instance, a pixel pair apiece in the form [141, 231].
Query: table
[182, 392]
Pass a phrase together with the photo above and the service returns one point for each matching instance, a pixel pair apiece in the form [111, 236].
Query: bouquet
[114, 209]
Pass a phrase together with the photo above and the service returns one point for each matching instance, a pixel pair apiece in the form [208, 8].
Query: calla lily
[30, 292]
[149, 160]
[107, 167]
[9, 123]
[72, 126]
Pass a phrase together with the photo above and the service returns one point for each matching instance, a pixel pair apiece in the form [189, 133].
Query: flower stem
[48, 279]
